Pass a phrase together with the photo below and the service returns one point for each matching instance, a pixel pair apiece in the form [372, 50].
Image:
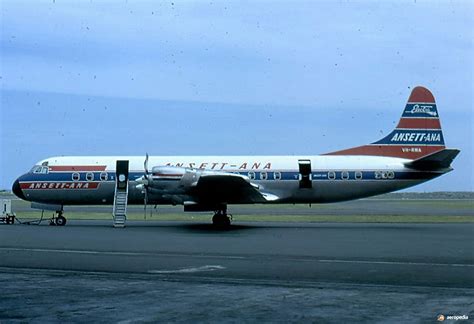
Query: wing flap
[229, 188]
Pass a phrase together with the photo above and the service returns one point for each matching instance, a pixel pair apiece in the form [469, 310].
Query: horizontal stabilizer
[439, 160]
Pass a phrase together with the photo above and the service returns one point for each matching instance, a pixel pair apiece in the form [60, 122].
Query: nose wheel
[58, 219]
[221, 218]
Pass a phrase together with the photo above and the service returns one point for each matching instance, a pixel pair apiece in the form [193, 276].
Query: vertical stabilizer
[417, 134]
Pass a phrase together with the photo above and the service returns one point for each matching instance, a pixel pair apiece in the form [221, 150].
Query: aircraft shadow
[209, 228]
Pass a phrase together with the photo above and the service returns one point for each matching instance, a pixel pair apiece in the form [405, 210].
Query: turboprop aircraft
[414, 152]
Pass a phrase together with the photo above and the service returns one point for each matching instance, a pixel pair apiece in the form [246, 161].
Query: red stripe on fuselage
[45, 185]
[59, 168]
[167, 175]
[419, 123]
[401, 151]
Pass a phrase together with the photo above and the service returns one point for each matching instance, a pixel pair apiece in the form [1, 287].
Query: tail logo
[423, 109]
[416, 137]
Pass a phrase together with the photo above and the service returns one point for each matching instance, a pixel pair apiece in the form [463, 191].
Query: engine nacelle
[167, 173]
[168, 183]
[173, 179]
[170, 180]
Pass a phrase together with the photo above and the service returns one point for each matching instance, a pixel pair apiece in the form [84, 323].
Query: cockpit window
[40, 169]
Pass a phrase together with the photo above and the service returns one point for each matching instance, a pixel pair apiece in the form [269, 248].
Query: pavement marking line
[119, 253]
[189, 270]
[230, 257]
[396, 263]
[71, 251]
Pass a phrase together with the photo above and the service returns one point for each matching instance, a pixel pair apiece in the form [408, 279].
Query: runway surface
[391, 207]
[254, 271]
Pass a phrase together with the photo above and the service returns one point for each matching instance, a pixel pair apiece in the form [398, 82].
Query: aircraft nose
[17, 190]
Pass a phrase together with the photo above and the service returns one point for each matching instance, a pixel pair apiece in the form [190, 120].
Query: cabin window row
[103, 176]
[264, 175]
[345, 175]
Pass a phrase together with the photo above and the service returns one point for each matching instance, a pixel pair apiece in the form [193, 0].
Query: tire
[221, 221]
[60, 221]
[226, 222]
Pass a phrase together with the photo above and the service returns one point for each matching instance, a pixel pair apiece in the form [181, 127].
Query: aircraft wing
[229, 188]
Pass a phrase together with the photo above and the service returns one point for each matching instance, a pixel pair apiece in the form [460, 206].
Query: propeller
[147, 175]
[144, 182]
[145, 166]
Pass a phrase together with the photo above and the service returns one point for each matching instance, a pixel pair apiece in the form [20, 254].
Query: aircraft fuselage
[91, 180]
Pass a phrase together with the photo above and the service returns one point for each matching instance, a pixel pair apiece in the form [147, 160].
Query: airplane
[414, 152]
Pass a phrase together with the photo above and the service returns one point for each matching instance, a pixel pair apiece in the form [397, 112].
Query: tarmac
[266, 272]
[385, 207]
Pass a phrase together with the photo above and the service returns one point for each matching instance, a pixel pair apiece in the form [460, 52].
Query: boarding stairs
[120, 206]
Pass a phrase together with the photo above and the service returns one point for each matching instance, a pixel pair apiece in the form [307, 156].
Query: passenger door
[305, 176]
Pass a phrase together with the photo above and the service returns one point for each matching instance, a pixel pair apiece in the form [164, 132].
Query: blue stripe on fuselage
[285, 175]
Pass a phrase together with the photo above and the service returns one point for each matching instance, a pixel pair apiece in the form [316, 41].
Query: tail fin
[417, 134]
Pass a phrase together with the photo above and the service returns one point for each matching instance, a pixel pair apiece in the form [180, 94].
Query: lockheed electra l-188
[414, 152]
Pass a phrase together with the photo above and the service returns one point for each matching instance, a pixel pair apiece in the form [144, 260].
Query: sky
[228, 77]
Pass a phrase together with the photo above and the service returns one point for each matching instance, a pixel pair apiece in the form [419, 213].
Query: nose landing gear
[58, 219]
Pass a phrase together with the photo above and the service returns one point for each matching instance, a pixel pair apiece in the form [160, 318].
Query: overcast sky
[215, 77]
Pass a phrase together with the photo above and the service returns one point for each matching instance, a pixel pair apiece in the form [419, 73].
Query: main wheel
[221, 220]
[226, 221]
[60, 221]
[216, 219]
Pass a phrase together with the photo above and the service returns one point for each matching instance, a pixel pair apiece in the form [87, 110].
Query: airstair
[120, 206]
[121, 194]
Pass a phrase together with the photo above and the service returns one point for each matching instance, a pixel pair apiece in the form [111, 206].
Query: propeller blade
[143, 183]
[145, 165]
[145, 202]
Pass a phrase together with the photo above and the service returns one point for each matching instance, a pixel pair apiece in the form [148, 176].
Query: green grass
[267, 218]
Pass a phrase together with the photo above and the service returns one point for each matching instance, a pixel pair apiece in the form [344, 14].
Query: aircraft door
[305, 174]
[121, 172]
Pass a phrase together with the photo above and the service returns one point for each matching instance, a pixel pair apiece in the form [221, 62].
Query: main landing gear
[58, 219]
[221, 218]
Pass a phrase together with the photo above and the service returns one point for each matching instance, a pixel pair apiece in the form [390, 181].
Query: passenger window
[344, 175]
[391, 174]
[89, 176]
[277, 176]
[358, 175]
[75, 176]
[103, 176]
[263, 176]
[332, 175]
[252, 175]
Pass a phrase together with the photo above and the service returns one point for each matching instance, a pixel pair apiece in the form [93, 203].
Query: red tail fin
[417, 134]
